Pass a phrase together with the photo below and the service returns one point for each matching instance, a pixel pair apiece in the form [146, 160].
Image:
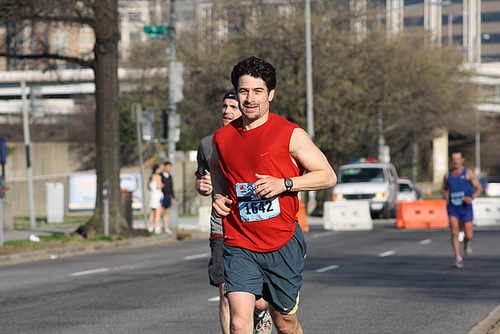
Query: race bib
[457, 198]
[253, 207]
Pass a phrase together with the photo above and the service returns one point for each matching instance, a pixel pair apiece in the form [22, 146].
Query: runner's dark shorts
[462, 212]
[215, 265]
[276, 276]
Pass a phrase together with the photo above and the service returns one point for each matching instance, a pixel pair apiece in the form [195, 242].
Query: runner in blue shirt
[461, 186]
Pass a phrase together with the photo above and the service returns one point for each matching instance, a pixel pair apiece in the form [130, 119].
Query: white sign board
[82, 189]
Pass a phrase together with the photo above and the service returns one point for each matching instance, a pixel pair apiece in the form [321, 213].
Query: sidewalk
[184, 224]
[185, 228]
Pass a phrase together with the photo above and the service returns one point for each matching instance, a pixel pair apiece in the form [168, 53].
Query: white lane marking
[214, 299]
[425, 242]
[90, 272]
[322, 270]
[324, 234]
[196, 256]
[388, 253]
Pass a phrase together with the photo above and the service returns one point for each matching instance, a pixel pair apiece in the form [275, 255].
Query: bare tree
[102, 17]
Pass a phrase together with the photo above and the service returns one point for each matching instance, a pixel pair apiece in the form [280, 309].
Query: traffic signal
[171, 126]
[148, 125]
[3, 151]
[165, 120]
[3, 189]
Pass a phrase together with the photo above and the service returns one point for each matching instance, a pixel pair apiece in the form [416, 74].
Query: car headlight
[337, 196]
[380, 195]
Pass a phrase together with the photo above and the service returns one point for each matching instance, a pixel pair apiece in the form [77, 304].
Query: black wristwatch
[288, 184]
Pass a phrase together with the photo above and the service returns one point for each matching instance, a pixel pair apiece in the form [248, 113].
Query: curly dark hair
[256, 68]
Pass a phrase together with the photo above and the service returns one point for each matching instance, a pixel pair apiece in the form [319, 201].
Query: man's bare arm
[475, 183]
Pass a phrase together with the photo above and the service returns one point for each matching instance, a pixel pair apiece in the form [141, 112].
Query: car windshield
[404, 187]
[352, 175]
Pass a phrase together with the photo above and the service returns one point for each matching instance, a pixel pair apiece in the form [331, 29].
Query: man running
[460, 182]
[258, 167]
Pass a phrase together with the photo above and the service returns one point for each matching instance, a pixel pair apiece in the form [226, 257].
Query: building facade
[472, 25]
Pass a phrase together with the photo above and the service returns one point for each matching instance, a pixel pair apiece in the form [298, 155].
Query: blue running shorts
[276, 275]
[462, 212]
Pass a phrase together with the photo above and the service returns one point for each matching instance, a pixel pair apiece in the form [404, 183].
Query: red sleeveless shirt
[257, 224]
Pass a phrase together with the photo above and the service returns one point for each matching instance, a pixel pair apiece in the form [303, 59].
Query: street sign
[156, 36]
[156, 32]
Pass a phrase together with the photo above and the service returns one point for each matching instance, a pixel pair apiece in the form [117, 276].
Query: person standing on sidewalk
[257, 167]
[155, 199]
[458, 187]
[262, 318]
[168, 193]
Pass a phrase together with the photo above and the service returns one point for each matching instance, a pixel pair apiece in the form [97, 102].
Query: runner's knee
[286, 324]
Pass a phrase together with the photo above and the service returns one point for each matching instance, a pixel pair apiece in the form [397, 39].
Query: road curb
[484, 326]
[54, 253]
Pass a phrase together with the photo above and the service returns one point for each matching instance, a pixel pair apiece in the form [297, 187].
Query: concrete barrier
[344, 215]
[422, 214]
[486, 211]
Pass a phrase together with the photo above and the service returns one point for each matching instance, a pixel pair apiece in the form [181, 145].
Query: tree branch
[48, 11]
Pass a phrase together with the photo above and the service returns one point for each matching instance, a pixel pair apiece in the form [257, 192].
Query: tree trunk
[107, 121]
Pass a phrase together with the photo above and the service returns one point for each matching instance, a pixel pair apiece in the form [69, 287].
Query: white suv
[376, 182]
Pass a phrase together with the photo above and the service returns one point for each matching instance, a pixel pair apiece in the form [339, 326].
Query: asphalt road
[381, 281]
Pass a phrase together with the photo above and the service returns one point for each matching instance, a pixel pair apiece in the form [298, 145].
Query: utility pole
[171, 121]
[383, 150]
[309, 90]
[309, 76]
[137, 115]
[175, 84]
[3, 159]
[29, 155]
[380, 135]
[172, 58]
